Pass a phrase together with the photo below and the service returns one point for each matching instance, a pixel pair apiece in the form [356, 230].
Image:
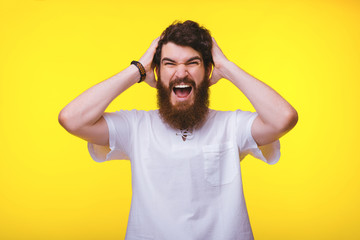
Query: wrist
[135, 74]
[147, 66]
[226, 68]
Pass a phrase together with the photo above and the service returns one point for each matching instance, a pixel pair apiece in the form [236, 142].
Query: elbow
[289, 120]
[63, 119]
[66, 122]
[293, 118]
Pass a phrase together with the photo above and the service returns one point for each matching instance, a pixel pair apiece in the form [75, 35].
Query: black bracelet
[141, 70]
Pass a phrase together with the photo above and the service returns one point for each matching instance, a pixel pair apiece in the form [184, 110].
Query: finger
[213, 40]
[214, 43]
[155, 42]
[147, 57]
[213, 79]
[151, 80]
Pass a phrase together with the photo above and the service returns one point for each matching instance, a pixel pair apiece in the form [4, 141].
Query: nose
[181, 71]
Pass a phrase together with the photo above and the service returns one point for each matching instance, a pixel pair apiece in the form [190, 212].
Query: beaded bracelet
[141, 70]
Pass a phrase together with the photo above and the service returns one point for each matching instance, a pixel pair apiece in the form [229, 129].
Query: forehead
[178, 53]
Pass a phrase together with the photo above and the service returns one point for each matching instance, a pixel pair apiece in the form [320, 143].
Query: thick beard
[184, 115]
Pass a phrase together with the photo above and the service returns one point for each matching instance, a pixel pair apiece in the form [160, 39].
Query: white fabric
[185, 189]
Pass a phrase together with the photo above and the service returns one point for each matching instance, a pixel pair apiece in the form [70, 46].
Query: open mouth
[182, 90]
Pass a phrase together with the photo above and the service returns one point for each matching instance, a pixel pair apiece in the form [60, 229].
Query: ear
[208, 71]
[157, 71]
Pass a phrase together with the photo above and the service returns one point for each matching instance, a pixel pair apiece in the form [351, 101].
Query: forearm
[273, 110]
[89, 106]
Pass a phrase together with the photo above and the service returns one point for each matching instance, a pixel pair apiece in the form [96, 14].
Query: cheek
[198, 76]
[165, 76]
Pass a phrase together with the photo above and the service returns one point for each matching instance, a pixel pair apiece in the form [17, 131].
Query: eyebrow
[189, 60]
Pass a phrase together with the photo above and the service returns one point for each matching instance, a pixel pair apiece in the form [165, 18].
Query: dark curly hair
[189, 34]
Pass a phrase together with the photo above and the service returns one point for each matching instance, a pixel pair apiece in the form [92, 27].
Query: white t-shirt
[186, 190]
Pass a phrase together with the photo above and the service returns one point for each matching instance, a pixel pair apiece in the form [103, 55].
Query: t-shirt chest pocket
[221, 163]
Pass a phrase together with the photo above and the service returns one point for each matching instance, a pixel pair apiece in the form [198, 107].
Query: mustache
[185, 80]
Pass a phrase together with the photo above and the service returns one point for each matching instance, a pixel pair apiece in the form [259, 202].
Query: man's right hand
[83, 117]
[146, 61]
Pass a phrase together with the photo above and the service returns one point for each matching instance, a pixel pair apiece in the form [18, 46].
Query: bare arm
[276, 116]
[83, 116]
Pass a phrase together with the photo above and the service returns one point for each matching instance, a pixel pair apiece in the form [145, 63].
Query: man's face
[182, 86]
[178, 63]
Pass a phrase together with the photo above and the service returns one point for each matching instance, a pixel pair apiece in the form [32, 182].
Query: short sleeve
[269, 153]
[119, 124]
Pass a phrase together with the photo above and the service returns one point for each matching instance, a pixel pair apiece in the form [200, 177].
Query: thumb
[215, 77]
[150, 79]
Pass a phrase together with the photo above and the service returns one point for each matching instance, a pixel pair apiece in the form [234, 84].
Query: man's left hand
[219, 61]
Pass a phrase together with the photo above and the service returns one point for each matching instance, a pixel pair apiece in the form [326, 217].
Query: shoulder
[132, 112]
[237, 117]
[131, 116]
[217, 114]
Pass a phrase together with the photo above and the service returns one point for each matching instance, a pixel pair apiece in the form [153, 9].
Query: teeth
[182, 86]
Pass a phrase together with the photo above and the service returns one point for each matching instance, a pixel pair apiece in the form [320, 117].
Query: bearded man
[185, 157]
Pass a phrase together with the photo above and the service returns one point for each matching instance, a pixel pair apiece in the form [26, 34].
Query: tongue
[182, 92]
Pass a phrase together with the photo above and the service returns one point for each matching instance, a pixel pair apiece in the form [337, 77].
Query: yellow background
[52, 50]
